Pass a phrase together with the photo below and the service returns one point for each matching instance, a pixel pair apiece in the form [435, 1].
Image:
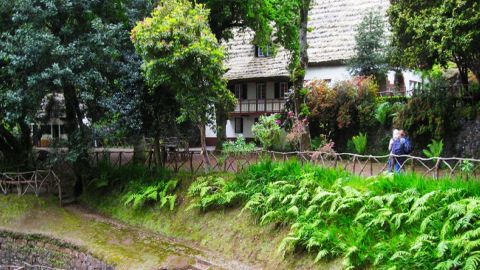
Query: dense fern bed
[386, 222]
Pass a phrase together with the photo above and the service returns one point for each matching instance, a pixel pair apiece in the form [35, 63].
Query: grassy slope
[126, 247]
[235, 236]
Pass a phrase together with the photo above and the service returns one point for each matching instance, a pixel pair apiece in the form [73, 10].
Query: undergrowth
[138, 186]
[385, 222]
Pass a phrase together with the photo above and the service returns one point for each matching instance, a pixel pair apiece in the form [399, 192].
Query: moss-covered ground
[126, 247]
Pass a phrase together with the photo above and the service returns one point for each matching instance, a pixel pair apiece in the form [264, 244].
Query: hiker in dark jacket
[401, 147]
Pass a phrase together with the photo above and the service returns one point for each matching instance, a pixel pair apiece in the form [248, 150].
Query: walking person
[401, 147]
[395, 136]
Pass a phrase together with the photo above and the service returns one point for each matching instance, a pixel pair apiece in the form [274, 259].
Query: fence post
[120, 159]
[191, 163]
[437, 167]
[354, 164]
[413, 165]
[371, 166]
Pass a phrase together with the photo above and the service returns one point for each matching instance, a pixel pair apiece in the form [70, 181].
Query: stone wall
[40, 252]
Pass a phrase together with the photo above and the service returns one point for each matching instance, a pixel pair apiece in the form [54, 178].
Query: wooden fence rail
[364, 165]
[36, 182]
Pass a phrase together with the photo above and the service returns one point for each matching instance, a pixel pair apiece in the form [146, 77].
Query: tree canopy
[436, 32]
[181, 54]
[370, 48]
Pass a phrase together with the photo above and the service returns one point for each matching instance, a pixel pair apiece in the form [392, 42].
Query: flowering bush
[267, 131]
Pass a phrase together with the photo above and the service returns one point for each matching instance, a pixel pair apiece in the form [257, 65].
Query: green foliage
[382, 112]
[384, 222]
[205, 193]
[370, 53]
[181, 54]
[267, 131]
[360, 143]
[160, 192]
[347, 106]
[430, 113]
[239, 147]
[136, 185]
[436, 32]
[80, 48]
[434, 149]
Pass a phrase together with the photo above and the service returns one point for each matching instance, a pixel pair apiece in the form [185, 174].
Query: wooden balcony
[259, 106]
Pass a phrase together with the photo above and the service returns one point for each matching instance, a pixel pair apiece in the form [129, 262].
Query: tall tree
[436, 32]
[370, 57]
[181, 54]
[285, 23]
[74, 47]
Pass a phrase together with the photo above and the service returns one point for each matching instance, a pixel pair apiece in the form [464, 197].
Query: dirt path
[125, 246]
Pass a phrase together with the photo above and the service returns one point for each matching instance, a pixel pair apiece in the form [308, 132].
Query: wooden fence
[364, 165]
[36, 182]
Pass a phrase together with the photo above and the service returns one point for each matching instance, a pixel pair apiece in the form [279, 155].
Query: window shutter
[244, 91]
[256, 51]
[241, 125]
[277, 90]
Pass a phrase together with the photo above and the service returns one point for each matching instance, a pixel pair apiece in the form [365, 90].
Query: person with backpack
[395, 136]
[401, 147]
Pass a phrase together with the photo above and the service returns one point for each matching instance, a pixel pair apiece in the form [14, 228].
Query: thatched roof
[331, 40]
[243, 64]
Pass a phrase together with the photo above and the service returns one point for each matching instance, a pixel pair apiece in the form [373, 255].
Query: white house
[260, 79]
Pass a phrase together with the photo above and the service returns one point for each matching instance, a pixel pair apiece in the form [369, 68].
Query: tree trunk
[299, 77]
[204, 153]
[77, 138]
[9, 145]
[221, 119]
[157, 151]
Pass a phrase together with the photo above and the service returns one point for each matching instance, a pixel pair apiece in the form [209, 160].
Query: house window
[261, 90]
[238, 125]
[262, 52]
[241, 91]
[281, 90]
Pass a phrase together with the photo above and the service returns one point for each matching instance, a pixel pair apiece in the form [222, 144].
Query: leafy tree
[370, 49]
[181, 54]
[285, 23]
[80, 48]
[436, 32]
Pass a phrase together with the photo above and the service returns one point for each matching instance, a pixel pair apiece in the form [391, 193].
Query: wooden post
[120, 159]
[191, 163]
[371, 167]
[413, 165]
[437, 167]
[354, 164]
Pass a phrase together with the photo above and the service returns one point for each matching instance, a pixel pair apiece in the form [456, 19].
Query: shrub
[238, 147]
[267, 131]
[211, 191]
[382, 113]
[160, 192]
[434, 149]
[360, 143]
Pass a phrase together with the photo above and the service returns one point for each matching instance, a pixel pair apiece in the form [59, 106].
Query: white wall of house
[412, 79]
[332, 73]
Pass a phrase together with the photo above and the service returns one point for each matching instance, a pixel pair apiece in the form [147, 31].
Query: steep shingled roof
[331, 40]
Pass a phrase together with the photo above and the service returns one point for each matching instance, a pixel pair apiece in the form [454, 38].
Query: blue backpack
[407, 146]
[398, 148]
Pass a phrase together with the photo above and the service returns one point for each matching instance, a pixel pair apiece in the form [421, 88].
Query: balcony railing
[260, 106]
